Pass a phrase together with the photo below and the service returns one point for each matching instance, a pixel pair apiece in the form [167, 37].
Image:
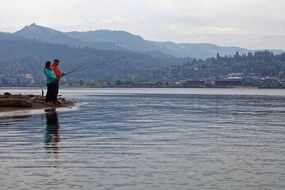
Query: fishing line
[87, 66]
[78, 68]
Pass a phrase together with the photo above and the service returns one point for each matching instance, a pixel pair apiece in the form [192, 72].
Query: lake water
[166, 139]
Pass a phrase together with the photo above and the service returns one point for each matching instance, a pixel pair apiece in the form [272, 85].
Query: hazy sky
[255, 24]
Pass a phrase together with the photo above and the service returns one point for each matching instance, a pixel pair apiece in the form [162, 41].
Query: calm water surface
[162, 139]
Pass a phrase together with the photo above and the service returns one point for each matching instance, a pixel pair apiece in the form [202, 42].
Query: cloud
[229, 22]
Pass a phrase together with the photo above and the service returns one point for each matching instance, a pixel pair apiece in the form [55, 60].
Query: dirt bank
[18, 102]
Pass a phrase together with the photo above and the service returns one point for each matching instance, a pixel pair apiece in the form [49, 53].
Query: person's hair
[47, 65]
[56, 61]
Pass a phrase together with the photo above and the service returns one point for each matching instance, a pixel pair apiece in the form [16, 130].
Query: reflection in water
[149, 141]
[52, 136]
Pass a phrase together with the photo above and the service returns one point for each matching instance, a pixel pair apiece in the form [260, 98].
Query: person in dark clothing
[52, 136]
[58, 74]
[50, 81]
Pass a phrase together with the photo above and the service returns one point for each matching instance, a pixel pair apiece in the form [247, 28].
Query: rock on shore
[9, 102]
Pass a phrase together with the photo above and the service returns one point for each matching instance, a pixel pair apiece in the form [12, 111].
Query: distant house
[229, 81]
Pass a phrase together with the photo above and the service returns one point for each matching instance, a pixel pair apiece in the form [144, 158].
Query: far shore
[153, 86]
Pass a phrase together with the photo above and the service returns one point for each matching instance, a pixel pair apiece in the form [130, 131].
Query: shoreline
[19, 102]
[4, 109]
[158, 87]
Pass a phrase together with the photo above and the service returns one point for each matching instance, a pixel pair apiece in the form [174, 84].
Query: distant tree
[218, 57]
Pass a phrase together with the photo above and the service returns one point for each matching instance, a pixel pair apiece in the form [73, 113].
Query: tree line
[259, 64]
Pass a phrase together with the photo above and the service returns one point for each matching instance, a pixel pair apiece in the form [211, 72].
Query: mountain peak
[42, 33]
[33, 25]
[36, 29]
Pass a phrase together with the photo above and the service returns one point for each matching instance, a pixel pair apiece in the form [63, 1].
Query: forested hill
[22, 61]
[22, 56]
[125, 41]
[258, 65]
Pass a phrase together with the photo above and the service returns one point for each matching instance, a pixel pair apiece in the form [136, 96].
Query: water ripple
[119, 139]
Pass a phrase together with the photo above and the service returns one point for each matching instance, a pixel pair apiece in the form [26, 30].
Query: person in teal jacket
[50, 81]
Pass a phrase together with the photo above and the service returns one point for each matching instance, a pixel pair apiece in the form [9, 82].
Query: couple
[53, 75]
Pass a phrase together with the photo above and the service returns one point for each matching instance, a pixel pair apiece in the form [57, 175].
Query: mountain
[124, 41]
[44, 34]
[9, 36]
[20, 56]
[207, 50]
[136, 43]
[120, 38]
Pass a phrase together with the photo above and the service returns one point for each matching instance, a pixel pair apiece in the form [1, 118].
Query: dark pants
[50, 96]
[56, 83]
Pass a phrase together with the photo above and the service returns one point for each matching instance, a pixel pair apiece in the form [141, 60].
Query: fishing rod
[86, 66]
[81, 69]
[78, 68]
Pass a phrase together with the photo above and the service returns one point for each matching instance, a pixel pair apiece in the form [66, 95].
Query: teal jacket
[50, 75]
